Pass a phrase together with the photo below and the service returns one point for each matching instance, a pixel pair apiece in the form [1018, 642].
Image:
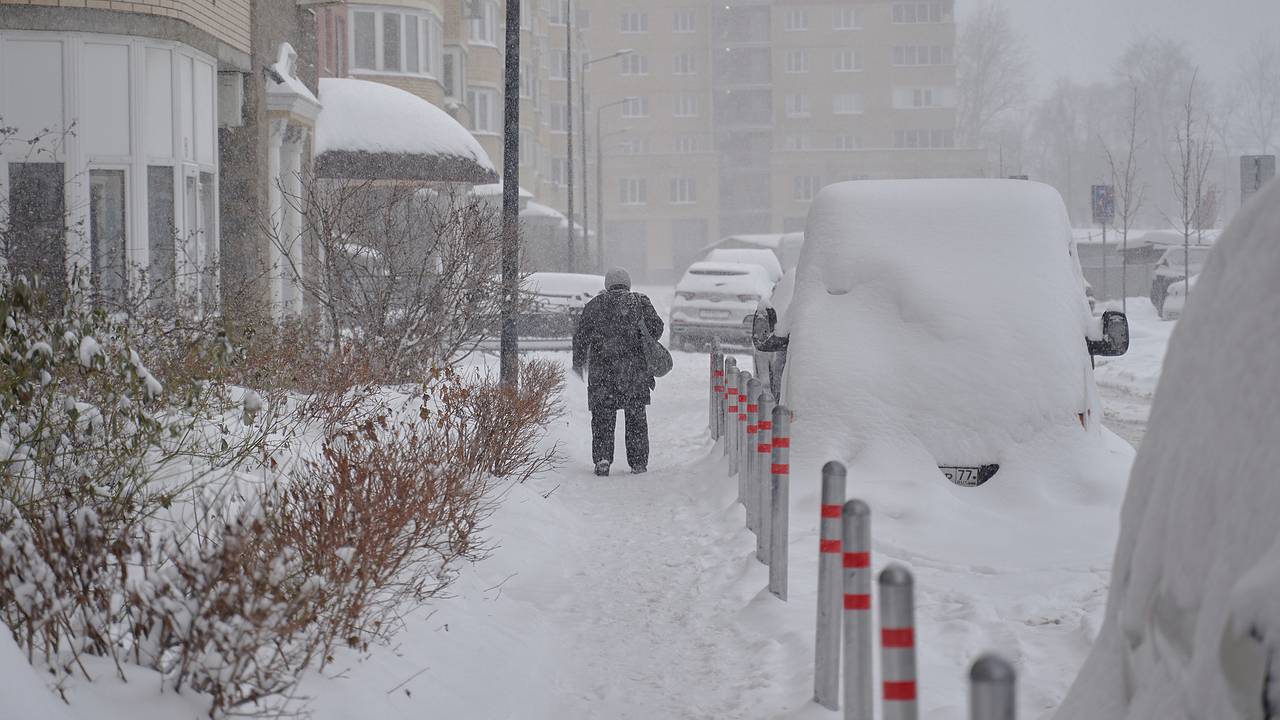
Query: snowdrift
[942, 322]
[1193, 616]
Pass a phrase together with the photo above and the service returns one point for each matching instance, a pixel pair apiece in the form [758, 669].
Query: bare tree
[1258, 87]
[992, 70]
[1129, 188]
[1189, 173]
[407, 274]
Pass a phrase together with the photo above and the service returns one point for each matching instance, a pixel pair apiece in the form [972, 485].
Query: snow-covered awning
[372, 131]
[494, 189]
[538, 210]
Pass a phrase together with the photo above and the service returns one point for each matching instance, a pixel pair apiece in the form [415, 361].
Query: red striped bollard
[717, 391]
[826, 666]
[750, 457]
[730, 407]
[898, 643]
[992, 689]
[762, 477]
[779, 500]
[859, 695]
[740, 442]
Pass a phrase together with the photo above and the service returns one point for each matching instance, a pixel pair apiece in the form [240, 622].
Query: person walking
[608, 345]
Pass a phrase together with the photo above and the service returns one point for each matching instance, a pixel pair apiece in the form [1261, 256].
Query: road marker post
[779, 500]
[826, 665]
[762, 476]
[859, 694]
[750, 456]
[992, 689]
[898, 643]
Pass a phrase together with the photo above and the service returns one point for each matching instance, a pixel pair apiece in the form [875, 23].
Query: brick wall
[226, 20]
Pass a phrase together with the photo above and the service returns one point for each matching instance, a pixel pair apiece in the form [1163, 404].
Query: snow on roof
[495, 189]
[1193, 616]
[752, 256]
[941, 322]
[538, 210]
[371, 130]
[564, 284]
[724, 267]
[288, 93]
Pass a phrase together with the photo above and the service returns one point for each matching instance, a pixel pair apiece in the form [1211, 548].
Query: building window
[527, 148]
[797, 61]
[559, 64]
[914, 98]
[846, 104]
[633, 146]
[484, 109]
[108, 253]
[847, 60]
[683, 64]
[559, 114]
[559, 172]
[37, 222]
[634, 21]
[686, 144]
[634, 64]
[684, 21]
[484, 21]
[161, 231]
[796, 141]
[397, 42]
[917, 55]
[924, 139]
[797, 106]
[636, 107]
[632, 191]
[686, 106]
[559, 11]
[847, 18]
[796, 19]
[934, 11]
[805, 187]
[845, 141]
[683, 191]
[451, 68]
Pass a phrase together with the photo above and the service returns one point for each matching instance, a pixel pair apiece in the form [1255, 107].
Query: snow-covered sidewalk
[639, 597]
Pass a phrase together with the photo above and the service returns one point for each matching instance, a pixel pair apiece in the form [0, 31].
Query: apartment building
[163, 125]
[741, 111]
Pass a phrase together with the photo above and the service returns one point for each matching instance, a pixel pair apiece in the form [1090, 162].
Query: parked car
[988, 379]
[717, 300]
[554, 302]
[1176, 299]
[786, 246]
[1173, 267]
[751, 256]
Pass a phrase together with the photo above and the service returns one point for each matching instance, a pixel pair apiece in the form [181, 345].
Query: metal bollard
[859, 695]
[750, 456]
[779, 500]
[898, 643]
[762, 477]
[992, 685]
[730, 410]
[740, 427]
[826, 666]
[717, 391]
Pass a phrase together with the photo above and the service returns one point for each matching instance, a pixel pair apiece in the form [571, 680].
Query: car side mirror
[763, 323]
[1115, 335]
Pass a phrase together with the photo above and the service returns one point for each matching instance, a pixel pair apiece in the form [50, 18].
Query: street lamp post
[582, 110]
[600, 180]
[509, 360]
[568, 119]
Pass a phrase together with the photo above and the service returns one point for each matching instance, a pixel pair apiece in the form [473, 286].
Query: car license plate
[969, 476]
[714, 314]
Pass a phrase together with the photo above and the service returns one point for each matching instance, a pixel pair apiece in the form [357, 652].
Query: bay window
[396, 42]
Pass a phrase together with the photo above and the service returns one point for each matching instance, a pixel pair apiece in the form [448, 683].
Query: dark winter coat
[608, 344]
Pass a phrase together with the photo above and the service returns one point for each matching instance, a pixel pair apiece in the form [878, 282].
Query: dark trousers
[603, 423]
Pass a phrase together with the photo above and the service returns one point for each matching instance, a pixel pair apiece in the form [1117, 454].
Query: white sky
[1083, 38]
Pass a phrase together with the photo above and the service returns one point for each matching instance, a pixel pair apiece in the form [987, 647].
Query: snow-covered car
[905, 373]
[554, 302]
[750, 256]
[717, 300]
[786, 246]
[1175, 299]
[1192, 622]
[1173, 266]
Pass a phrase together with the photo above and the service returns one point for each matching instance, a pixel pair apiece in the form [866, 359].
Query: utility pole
[582, 98]
[568, 119]
[510, 362]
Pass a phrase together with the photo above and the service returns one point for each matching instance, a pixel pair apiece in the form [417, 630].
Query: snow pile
[363, 116]
[764, 258]
[941, 322]
[1192, 620]
[565, 285]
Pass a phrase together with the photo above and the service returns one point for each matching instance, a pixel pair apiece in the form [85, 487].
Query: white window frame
[426, 24]
[804, 188]
[684, 63]
[636, 107]
[798, 105]
[487, 122]
[848, 104]
[633, 22]
[795, 20]
[634, 64]
[847, 18]
[796, 61]
[486, 29]
[846, 60]
[633, 191]
[686, 106]
[684, 190]
[684, 21]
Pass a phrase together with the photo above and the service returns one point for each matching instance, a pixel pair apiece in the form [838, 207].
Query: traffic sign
[1104, 204]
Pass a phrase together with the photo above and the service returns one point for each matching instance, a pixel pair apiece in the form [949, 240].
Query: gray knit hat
[617, 277]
